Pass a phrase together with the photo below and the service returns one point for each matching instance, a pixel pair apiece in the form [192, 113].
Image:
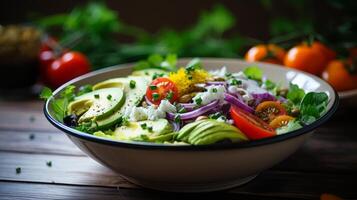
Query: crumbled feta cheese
[149, 113]
[214, 92]
[253, 87]
[135, 113]
[219, 72]
[166, 106]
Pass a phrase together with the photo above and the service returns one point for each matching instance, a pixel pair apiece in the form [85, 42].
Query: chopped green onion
[214, 90]
[132, 84]
[143, 126]
[109, 97]
[169, 95]
[153, 87]
[96, 96]
[236, 82]
[150, 128]
[177, 119]
[198, 101]
[18, 170]
[155, 96]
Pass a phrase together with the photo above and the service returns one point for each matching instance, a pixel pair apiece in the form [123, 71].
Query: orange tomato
[270, 53]
[328, 53]
[339, 76]
[327, 196]
[306, 58]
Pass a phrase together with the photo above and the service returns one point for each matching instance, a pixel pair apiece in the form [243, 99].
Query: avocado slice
[144, 130]
[97, 104]
[209, 131]
[133, 97]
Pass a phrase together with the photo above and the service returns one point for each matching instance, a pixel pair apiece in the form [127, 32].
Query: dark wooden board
[325, 163]
[18, 190]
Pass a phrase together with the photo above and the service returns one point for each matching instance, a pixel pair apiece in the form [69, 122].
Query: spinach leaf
[295, 94]
[312, 106]
[254, 73]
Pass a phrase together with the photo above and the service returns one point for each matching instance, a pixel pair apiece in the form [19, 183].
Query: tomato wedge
[280, 121]
[269, 110]
[253, 127]
[161, 88]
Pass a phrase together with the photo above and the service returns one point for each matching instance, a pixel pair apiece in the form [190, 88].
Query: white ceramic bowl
[196, 168]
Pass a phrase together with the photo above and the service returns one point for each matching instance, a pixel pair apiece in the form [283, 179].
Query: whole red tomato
[68, 66]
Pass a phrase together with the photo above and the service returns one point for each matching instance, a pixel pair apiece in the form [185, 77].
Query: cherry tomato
[269, 110]
[253, 127]
[342, 75]
[281, 120]
[270, 53]
[67, 67]
[306, 58]
[328, 53]
[162, 88]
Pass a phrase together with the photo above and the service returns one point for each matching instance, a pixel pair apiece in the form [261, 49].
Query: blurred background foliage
[95, 29]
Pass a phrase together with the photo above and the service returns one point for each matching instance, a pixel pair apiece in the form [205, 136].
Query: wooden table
[54, 168]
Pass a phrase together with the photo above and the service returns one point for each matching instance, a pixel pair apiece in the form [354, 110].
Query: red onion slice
[195, 113]
[235, 101]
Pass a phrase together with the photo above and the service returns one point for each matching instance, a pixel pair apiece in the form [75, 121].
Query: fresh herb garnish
[143, 126]
[132, 84]
[157, 75]
[96, 96]
[109, 97]
[125, 121]
[215, 115]
[49, 163]
[59, 105]
[153, 87]
[177, 118]
[169, 95]
[254, 73]
[18, 170]
[155, 96]
[214, 90]
[150, 129]
[235, 82]
[198, 101]
[181, 110]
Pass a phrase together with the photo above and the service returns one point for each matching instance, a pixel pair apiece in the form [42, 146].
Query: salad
[189, 105]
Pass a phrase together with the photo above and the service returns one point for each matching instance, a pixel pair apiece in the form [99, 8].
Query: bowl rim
[157, 146]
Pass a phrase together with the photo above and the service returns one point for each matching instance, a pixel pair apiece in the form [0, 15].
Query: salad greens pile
[161, 102]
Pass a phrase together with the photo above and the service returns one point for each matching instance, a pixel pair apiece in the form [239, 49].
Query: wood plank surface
[84, 171]
[38, 142]
[325, 163]
[52, 191]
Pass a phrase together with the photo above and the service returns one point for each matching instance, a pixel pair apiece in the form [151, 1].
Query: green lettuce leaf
[254, 73]
[295, 94]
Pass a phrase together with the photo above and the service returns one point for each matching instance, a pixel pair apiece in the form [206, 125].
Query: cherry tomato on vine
[270, 53]
[68, 66]
[342, 75]
[306, 58]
